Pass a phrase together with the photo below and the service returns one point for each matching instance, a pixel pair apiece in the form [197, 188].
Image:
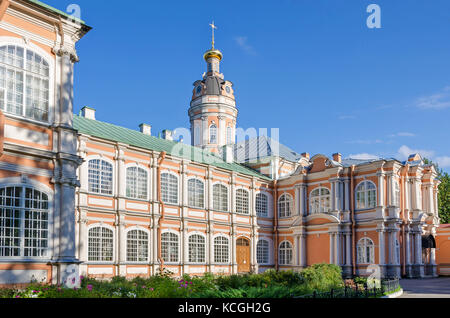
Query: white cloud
[440, 100]
[364, 156]
[443, 162]
[344, 117]
[402, 134]
[242, 42]
[404, 152]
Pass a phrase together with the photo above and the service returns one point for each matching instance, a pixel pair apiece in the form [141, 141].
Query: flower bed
[271, 284]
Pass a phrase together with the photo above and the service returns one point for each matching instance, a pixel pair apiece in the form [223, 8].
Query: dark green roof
[56, 10]
[135, 138]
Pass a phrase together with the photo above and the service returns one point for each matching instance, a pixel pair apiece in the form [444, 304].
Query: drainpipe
[352, 213]
[275, 226]
[161, 158]
[403, 216]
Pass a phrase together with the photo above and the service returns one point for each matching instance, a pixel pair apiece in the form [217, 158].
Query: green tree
[444, 193]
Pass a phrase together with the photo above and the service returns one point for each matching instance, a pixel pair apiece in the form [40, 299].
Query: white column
[348, 248]
[347, 195]
[380, 189]
[382, 245]
[303, 250]
[122, 242]
[337, 248]
[333, 196]
[408, 248]
[418, 248]
[82, 237]
[297, 200]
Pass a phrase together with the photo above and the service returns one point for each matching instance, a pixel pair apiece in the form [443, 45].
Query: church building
[79, 196]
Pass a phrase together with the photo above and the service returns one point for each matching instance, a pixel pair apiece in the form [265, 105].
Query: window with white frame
[285, 253]
[100, 177]
[137, 183]
[221, 248]
[24, 83]
[262, 205]
[262, 252]
[100, 244]
[169, 247]
[196, 194]
[196, 249]
[396, 198]
[366, 195]
[213, 134]
[169, 188]
[24, 217]
[319, 201]
[242, 201]
[220, 197]
[137, 246]
[365, 250]
[285, 206]
[229, 135]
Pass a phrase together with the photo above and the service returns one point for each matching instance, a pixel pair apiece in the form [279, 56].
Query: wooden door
[243, 255]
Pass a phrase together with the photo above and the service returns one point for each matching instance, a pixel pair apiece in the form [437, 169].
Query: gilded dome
[213, 53]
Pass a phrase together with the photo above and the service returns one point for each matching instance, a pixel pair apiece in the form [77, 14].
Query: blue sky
[311, 68]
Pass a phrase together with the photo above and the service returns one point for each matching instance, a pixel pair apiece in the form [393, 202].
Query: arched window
[366, 195]
[100, 244]
[213, 134]
[229, 135]
[319, 201]
[169, 247]
[220, 197]
[24, 217]
[242, 201]
[196, 249]
[137, 246]
[24, 83]
[221, 247]
[262, 205]
[285, 206]
[169, 188]
[365, 251]
[396, 198]
[262, 252]
[285, 253]
[100, 177]
[137, 183]
[196, 193]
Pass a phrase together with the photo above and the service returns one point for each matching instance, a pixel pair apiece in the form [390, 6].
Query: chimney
[306, 155]
[146, 129]
[167, 134]
[228, 154]
[88, 112]
[337, 157]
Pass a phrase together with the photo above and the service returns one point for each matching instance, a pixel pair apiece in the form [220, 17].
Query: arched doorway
[428, 255]
[243, 255]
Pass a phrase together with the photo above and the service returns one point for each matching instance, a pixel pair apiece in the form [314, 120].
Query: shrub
[323, 277]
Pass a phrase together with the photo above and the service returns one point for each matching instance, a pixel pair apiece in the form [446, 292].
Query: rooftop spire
[213, 27]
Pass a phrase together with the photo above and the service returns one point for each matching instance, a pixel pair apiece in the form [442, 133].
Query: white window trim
[228, 196]
[178, 234]
[318, 196]
[101, 224]
[248, 199]
[372, 254]
[279, 253]
[214, 250]
[100, 157]
[366, 197]
[9, 40]
[143, 167]
[291, 205]
[204, 192]
[149, 245]
[205, 251]
[18, 182]
[269, 256]
[179, 192]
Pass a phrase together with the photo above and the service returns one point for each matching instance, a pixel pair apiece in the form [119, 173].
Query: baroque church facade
[79, 196]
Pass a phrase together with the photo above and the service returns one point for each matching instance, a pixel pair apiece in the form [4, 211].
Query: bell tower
[213, 110]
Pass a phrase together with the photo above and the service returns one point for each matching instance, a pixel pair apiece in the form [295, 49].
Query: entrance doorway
[243, 255]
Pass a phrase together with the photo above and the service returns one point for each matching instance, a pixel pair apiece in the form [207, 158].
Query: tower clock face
[228, 89]
[199, 90]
